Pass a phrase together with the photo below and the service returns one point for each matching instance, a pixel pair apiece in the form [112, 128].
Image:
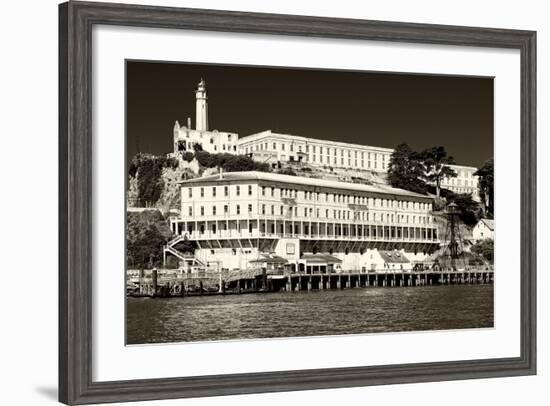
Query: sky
[369, 108]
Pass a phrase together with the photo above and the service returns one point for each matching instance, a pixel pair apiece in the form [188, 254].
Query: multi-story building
[271, 147]
[465, 181]
[240, 219]
[187, 138]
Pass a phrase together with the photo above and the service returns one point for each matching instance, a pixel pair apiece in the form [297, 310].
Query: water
[294, 314]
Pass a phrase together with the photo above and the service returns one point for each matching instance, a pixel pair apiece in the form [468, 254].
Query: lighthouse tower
[202, 107]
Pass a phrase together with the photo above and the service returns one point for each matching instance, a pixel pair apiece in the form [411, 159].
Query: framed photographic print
[257, 202]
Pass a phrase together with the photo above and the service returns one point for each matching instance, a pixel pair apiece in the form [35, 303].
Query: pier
[163, 283]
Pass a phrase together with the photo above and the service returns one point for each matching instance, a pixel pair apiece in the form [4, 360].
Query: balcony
[245, 234]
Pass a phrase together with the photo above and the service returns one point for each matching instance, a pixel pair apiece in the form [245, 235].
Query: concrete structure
[185, 137]
[465, 182]
[483, 230]
[168, 283]
[240, 220]
[271, 147]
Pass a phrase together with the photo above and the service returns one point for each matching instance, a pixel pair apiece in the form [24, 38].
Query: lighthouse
[201, 107]
[188, 139]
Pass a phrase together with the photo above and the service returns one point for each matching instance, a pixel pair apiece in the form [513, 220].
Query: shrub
[187, 156]
[287, 171]
[230, 162]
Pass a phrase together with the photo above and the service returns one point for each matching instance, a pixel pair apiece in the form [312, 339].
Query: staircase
[170, 248]
[176, 240]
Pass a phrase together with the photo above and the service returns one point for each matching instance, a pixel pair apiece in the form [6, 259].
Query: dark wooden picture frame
[76, 20]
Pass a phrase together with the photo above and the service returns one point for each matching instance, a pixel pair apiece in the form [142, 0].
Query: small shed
[319, 263]
[395, 261]
[269, 262]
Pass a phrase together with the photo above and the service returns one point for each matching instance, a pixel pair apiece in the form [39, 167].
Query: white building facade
[465, 182]
[271, 147]
[236, 218]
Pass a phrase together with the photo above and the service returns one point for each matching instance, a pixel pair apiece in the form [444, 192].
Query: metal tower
[453, 243]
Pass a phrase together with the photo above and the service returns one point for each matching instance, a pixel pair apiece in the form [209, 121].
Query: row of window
[310, 212]
[264, 146]
[315, 197]
[388, 232]
[459, 182]
[465, 174]
[464, 190]
[188, 133]
[215, 188]
[331, 252]
[326, 160]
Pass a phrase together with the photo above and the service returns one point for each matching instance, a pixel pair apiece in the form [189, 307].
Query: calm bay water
[293, 314]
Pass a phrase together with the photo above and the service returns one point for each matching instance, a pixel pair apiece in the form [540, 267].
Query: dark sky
[368, 108]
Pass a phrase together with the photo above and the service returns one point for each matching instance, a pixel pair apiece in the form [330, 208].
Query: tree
[468, 209]
[150, 182]
[485, 248]
[406, 170]
[436, 164]
[146, 233]
[486, 186]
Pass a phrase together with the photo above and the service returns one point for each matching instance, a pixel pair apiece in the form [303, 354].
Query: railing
[182, 256]
[175, 252]
[197, 235]
[253, 217]
[175, 240]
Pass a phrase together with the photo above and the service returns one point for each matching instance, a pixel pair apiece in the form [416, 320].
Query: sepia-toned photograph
[269, 202]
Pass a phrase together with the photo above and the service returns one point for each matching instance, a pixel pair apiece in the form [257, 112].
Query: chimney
[189, 122]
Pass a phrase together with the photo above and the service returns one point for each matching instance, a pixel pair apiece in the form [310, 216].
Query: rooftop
[489, 223]
[470, 168]
[301, 181]
[270, 259]
[320, 258]
[393, 257]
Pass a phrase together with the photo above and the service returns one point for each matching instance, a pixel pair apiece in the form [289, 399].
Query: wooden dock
[173, 284]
